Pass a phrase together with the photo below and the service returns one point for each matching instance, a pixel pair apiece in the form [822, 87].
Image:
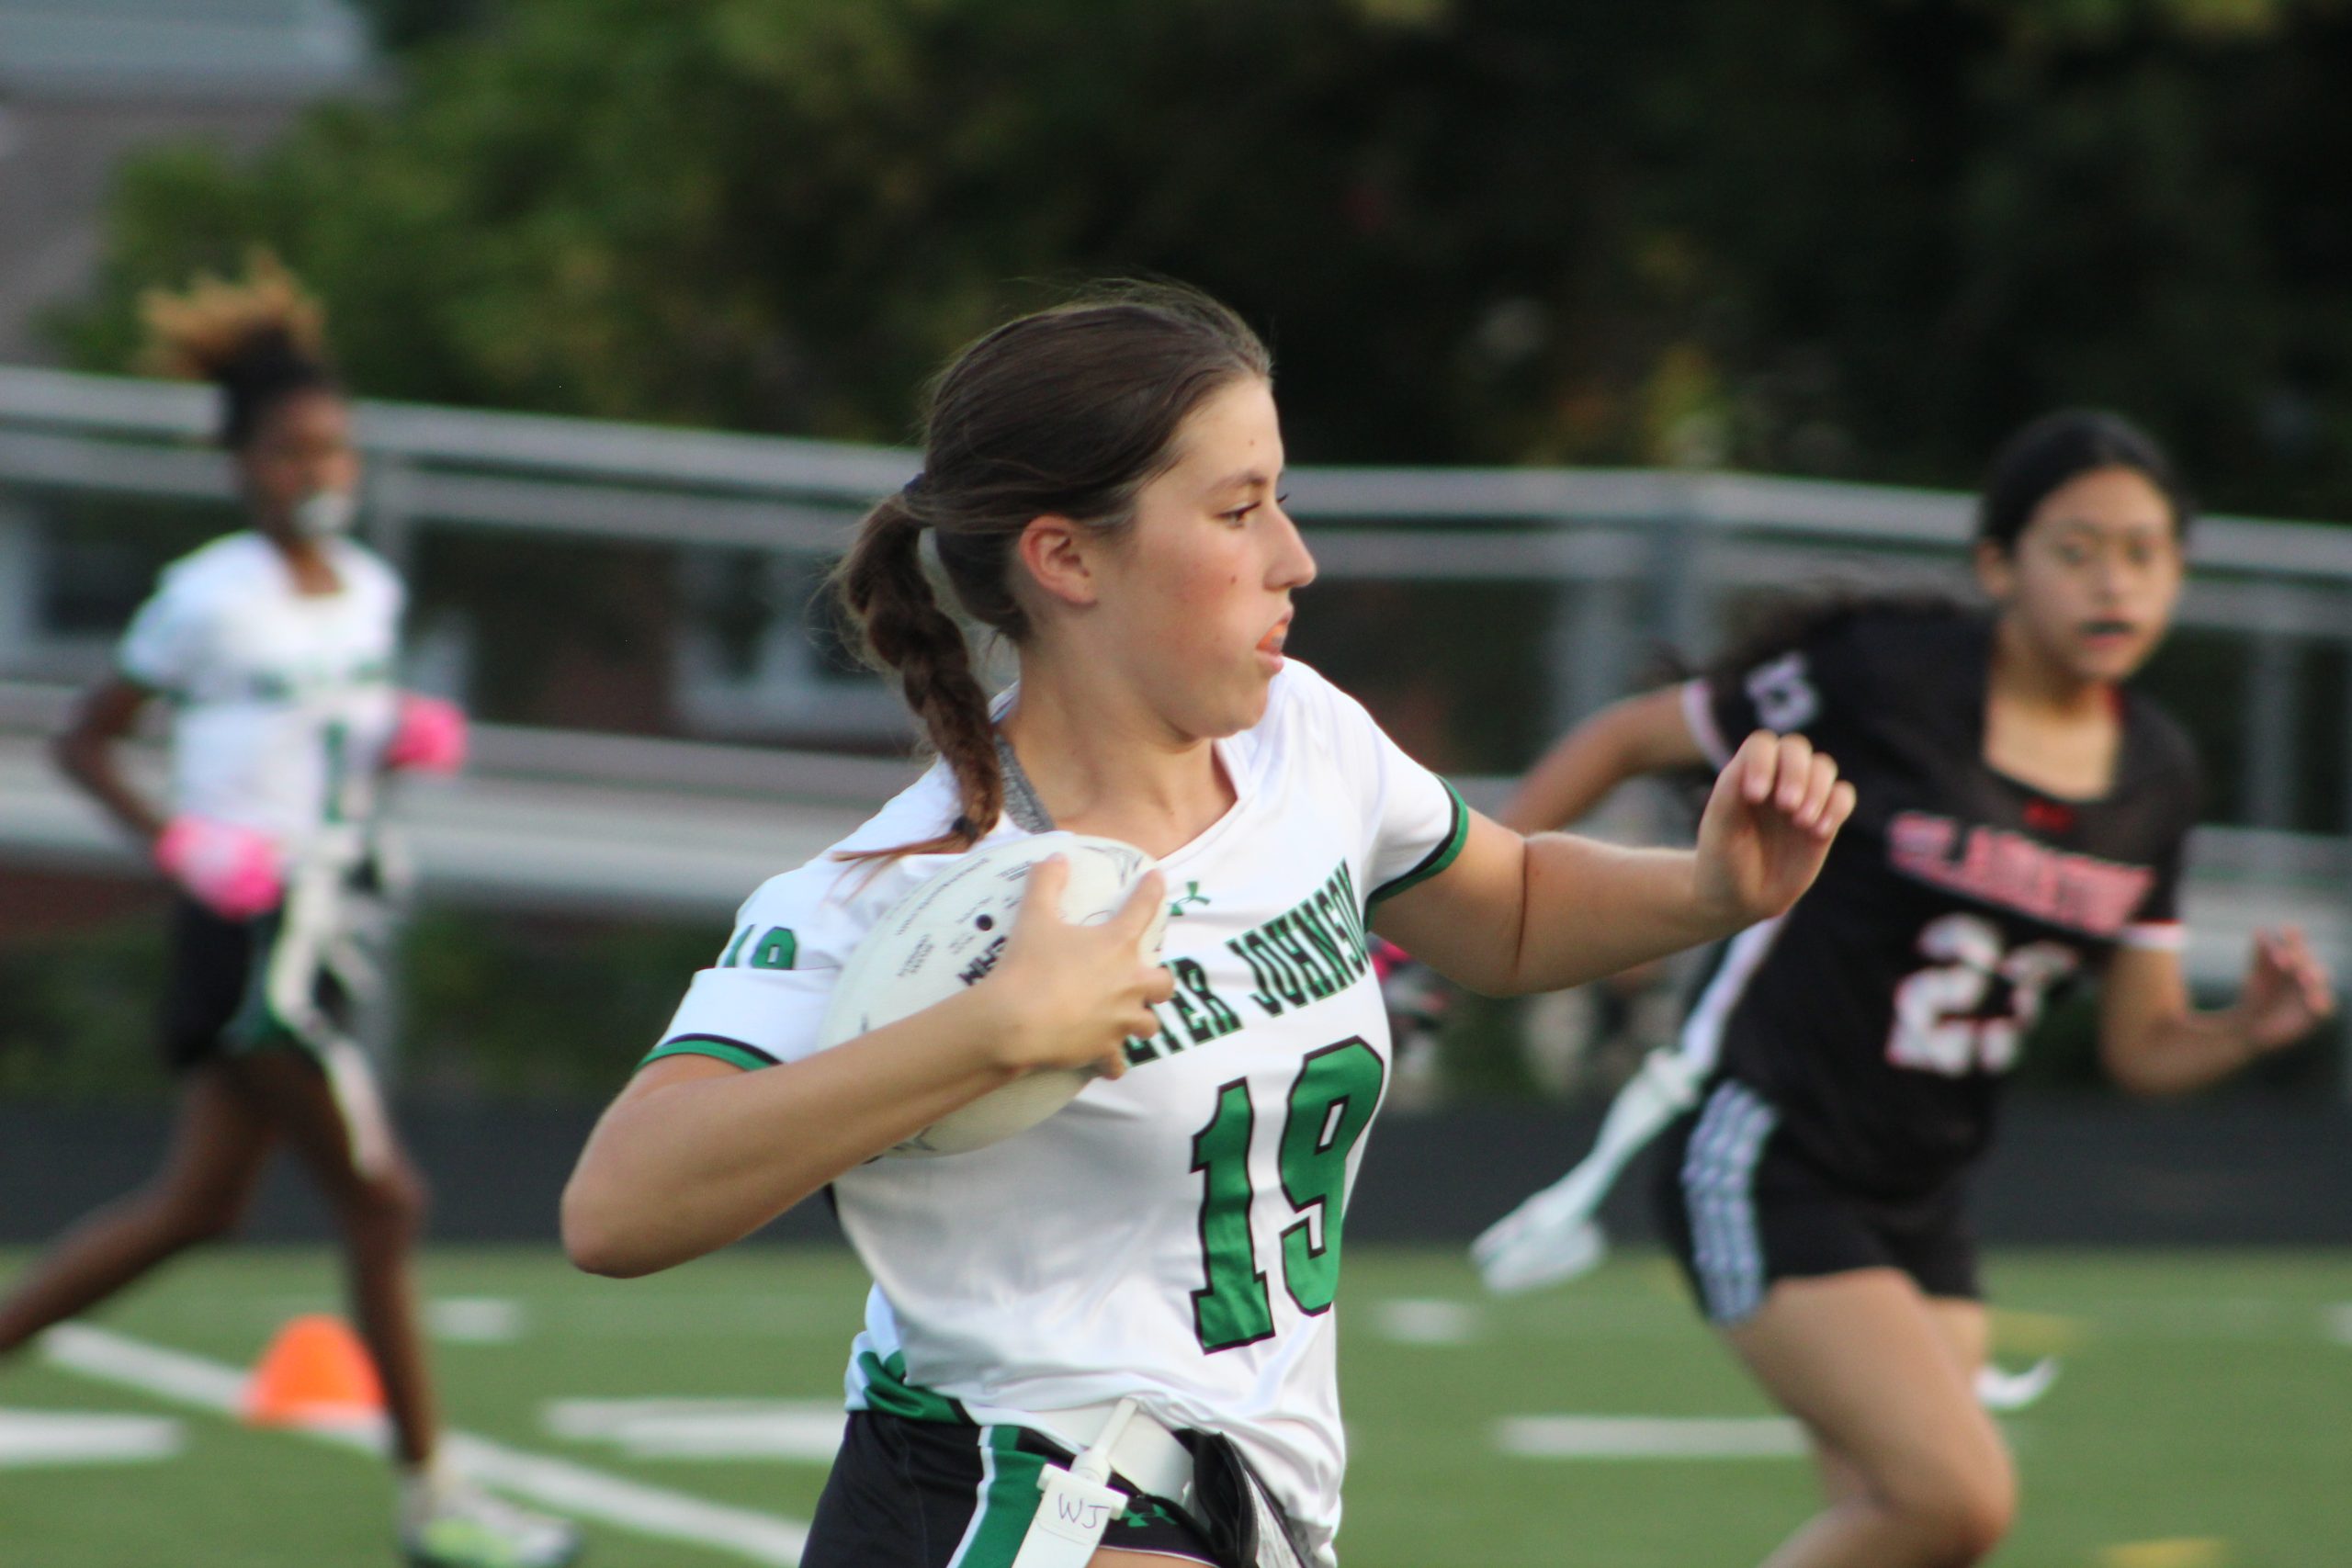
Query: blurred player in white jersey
[275, 646]
[1145, 1281]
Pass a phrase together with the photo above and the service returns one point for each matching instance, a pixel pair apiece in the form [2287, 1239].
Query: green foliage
[502, 1006]
[79, 1012]
[1843, 236]
[405, 24]
[491, 1007]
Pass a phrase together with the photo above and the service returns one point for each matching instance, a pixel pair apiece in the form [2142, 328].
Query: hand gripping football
[948, 933]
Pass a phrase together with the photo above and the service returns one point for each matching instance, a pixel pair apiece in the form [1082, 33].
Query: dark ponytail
[2031, 465]
[1067, 412]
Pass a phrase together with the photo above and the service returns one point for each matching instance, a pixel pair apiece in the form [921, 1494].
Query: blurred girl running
[275, 648]
[2023, 814]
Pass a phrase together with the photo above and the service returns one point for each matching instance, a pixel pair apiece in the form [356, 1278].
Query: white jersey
[282, 702]
[1173, 1235]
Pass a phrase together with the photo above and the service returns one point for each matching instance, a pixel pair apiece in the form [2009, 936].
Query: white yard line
[1648, 1437]
[475, 1320]
[587, 1493]
[807, 1430]
[132, 1363]
[1414, 1321]
[570, 1488]
[30, 1439]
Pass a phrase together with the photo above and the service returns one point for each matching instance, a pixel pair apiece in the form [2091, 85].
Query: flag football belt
[1148, 1456]
[1216, 1492]
[335, 924]
[1115, 1439]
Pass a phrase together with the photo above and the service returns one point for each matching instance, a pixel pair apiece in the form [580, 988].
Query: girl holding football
[274, 647]
[2021, 823]
[1146, 1276]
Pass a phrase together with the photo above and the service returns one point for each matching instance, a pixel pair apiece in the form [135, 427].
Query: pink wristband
[430, 737]
[232, 871]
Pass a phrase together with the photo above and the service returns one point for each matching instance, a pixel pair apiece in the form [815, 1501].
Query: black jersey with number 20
[1879, 1015]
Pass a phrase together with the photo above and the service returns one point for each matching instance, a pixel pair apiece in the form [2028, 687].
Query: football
[948, 933]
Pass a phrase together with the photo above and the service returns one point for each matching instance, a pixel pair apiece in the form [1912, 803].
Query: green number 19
[1330, 1105]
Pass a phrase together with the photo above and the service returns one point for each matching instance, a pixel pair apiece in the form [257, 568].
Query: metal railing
[1619, 558]
[1631, 555]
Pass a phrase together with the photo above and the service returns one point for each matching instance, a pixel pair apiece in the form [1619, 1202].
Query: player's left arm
[2153, 1041]
[1513, 915]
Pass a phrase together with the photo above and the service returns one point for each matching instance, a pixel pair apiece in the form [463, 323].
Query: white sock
[421, 1489]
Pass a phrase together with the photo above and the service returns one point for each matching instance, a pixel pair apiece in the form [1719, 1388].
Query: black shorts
[322, 945]
[216, 969]
[1741, 1208]
[907, 1493]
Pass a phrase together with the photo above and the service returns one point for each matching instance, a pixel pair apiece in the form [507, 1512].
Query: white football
[948, 933]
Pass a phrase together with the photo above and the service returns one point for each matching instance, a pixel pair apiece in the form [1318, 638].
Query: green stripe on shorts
[1009, 1500]
[257, 1025]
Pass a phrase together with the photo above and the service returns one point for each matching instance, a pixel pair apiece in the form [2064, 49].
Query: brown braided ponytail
[882, 583]
[1069, 412]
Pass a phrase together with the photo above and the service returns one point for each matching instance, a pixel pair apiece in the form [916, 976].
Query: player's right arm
[86, 752]
[696, 1154]
[1646, 734]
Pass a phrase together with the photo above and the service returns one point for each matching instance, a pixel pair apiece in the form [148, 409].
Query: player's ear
[1053, 552]
[1996, 570]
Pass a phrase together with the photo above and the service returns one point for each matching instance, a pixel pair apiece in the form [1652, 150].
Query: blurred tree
[404, 24]
[1838, 236]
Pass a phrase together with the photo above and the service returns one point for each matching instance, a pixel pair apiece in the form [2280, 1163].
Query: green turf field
[2203, 1419]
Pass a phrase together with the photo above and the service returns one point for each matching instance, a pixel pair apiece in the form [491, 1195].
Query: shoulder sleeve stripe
[735, 1052]
[1698, 714]
[1437, 859]
[2162, 936]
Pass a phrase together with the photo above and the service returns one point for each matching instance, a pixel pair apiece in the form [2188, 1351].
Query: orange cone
[315, 1373]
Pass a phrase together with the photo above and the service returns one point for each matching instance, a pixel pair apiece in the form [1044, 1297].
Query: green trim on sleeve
[734, 1053]
[1437, 859]
[149, 685]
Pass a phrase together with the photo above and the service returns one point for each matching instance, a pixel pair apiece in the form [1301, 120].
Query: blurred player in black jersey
[2020, 827]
